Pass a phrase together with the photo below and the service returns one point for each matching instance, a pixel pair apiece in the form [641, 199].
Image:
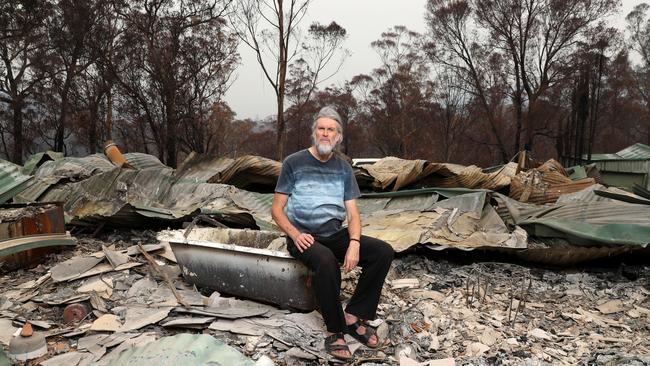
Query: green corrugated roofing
[143, 161]
[583, 223]
[186, 349]
[37, 159]
[12, 181]
[637, 151]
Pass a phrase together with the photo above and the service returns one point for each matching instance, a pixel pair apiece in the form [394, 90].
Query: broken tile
[138, 317]
[405, 283]
[187, 322]
[99, 285]
[239, 326]
[540, 334]
[73, 268]
[611, 307]
[107, 322]
[115, 258]
[7, 331]
[67, 359]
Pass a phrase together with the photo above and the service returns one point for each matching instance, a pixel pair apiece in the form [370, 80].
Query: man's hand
[303, 241]
[351, 256]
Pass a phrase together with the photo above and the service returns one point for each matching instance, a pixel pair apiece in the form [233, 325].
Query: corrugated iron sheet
[74, 168]
[12, 180]
[636, 151]
[465, 222]
[186, 349]
[143, 161]
[31, 219]
[251, 173]
[393, 174]
[582, 223]
[641, 191]
[591, 194]
[600, 157]
[38, 159]
[29, 232]
[624, 166]
[130, 197]
[201, 168]
[545, 184]
[33, 192]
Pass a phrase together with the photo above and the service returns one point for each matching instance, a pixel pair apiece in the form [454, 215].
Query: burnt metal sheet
[637, 151]
[33, 192]
[143, 161]
[12, 180]
[598, 192]
[73, 168]
[582, 223]
[393, 174]
[624, 166]
[36, 160]
[32, 249]
[185, 349]
[565, 254]
[546, 192]
[28, 232]
[464, 222]
[252, 173]
[236, 262]
[140, 198]
[641, 191]
[31, 219]
[200, 168]
[545, 184]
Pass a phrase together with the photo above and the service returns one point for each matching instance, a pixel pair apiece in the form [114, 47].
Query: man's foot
[361, 331]
[336, 347]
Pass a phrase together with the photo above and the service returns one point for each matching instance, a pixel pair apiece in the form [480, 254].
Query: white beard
[324, 149]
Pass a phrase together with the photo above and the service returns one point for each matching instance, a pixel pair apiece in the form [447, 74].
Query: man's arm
[354, 229]
[301, 240]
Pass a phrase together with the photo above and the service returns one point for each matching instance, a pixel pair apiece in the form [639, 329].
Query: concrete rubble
[436, 310]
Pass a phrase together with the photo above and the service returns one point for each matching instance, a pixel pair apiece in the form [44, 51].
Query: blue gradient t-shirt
[317, 192]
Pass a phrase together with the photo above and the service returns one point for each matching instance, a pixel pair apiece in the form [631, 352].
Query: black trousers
[325, 257]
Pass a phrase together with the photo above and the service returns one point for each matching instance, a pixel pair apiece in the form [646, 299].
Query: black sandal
[331, 347]
[363, 338]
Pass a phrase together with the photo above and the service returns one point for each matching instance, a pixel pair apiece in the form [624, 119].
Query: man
[319, 191]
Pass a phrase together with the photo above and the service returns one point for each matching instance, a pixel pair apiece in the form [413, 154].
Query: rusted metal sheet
[545, 184]
[253, 173]
[393, 174]
[527, 191]
[31, 219]
[236, 262]
[28, 232]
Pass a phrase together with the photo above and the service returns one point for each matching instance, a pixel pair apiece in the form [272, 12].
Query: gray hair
[331, 113]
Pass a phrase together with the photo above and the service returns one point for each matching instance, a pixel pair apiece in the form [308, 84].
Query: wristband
[357, 240]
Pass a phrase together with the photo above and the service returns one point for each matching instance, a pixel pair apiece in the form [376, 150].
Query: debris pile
[431, 309]
[123, 294]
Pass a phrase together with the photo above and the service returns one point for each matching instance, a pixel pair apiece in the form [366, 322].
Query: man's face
[326, 135]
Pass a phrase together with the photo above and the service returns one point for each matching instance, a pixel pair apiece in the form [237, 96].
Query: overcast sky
[250, 96]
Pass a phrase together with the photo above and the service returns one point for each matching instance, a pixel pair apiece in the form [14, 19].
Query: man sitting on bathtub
[318, 189]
